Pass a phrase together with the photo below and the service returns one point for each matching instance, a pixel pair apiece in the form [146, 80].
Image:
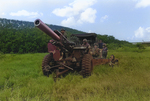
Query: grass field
[21, 79]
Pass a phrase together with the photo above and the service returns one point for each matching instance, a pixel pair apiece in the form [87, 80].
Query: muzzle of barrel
[38, 23]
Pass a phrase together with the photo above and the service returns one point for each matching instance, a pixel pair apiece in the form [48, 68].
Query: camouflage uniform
[113, 61]
[85, 44]
[104, 51]
[95, 51]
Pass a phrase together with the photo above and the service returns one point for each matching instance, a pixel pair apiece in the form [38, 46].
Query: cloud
[142, 33]
[73, 8]
[139, 33]
[79, 11]
[2, 14]
[142, 3]
[90, 31]
[68, 22]
[18, 4]
[26, 13]
[8, 6]
[64, 12]
[88, 15]
[104, 18]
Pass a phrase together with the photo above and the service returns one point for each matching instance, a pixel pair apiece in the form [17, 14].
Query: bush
[140, 46]
[112, 46]
[2, 55]
[122, 46]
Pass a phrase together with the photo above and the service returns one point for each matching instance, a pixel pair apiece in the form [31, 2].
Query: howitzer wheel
[45, 65]
[87, 66]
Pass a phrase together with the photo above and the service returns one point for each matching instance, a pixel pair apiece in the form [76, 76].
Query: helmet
[84, 40]
[62, 29]
[104, 44]
[95, 44]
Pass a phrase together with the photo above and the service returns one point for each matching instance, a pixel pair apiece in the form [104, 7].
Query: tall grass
[21, 79]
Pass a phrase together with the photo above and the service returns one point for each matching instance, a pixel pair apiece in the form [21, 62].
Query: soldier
[63, 31]
[100, 46]
[85, 43]
[95, 51]
[113, 61]
[104, 51]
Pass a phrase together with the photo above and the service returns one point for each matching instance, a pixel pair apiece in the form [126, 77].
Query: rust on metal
[66, 66]
[100, 61]
[38, 23]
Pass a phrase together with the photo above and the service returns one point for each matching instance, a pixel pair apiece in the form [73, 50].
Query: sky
[127, 20]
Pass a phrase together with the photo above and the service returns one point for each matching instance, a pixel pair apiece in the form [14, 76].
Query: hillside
[16, 24]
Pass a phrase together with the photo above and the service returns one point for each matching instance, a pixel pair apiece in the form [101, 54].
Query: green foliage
[134, 48]
[22, 37]
[23, 40]
[113, 43]
[21, 79]
[2, 55]
[140, 46]
[75, 39]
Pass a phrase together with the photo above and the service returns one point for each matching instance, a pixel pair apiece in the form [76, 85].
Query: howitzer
[76, 59]
[67, 57]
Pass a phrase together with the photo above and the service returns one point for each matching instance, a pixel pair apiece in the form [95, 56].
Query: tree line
[33, 40]
[23, 40]
[113, 43]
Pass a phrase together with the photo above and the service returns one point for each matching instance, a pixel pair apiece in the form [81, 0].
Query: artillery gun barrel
[38, 23]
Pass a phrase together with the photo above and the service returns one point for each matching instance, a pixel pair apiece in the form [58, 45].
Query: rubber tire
[46, 62]
[87, 65]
